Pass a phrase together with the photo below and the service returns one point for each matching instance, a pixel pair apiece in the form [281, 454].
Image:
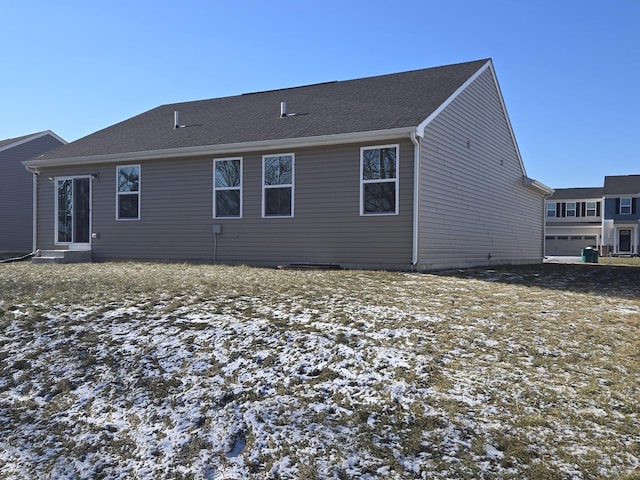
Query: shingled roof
[580, 193]
[622, 185]
[370, 104]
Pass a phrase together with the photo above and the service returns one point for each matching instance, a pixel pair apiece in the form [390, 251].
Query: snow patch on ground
[256, 387]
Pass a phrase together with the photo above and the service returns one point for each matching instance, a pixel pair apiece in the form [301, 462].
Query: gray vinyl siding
[16, 194]
[474, 208]
[176, 213]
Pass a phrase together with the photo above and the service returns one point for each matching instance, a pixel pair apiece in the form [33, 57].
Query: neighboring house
[605, 217]
[621, 219]
[416, 170]
[574, 220]
[16, 189]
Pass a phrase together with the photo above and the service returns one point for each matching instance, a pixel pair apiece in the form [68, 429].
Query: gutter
[536, 185]
[416, 195]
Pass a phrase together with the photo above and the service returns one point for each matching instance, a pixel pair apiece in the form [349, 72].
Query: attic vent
[176, 120]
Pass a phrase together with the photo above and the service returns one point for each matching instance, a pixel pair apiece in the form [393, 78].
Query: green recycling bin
[589, 255]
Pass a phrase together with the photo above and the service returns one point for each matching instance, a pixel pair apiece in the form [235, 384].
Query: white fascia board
[506, 116]
[454, 95]
[451, 98]
[535, 184]
[30, 138]
[224, 149]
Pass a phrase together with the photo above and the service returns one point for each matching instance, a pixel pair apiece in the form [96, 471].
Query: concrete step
[47, 260]
[53, 253]
[62, 256]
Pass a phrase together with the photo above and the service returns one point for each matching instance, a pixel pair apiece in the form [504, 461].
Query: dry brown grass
[524, 372]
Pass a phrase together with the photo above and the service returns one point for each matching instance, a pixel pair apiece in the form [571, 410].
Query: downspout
[544, 225]
[416, 196]
[34, 214]
[602, 252]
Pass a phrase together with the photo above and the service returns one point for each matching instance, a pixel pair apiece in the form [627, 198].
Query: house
[16, 190]
[621, 198]
[606, 217]
[415, 170]
[574, 220]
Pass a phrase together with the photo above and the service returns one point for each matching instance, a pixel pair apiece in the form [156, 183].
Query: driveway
[560, 259]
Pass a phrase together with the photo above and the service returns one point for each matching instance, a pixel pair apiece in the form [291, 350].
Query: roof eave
[223, 149]
[536, 185]
[30, 138]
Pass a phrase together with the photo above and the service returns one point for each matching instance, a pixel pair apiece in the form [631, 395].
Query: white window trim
[630, 206]
[574, 209]
[385, 180]
[118, 193]
[552, 210]
[292, 185]
[215, 189]
[594, 210]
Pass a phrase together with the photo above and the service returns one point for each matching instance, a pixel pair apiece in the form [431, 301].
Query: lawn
[630, 261]
[169, 371]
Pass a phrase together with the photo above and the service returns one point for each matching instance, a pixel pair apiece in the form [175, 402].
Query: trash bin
[589, 255]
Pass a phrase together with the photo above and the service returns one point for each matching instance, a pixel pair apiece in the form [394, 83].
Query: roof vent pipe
[283, 109]
[176, 120]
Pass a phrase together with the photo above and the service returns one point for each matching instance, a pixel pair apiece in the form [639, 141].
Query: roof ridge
[298, 87]
[290, 88]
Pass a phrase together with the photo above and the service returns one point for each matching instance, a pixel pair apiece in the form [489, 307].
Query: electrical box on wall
[217, 229]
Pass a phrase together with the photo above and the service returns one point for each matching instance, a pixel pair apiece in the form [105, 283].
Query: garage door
[568, 245]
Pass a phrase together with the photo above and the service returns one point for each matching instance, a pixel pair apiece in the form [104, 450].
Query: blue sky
[569, 70]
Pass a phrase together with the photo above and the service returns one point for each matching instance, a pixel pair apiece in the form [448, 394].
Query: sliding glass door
[73, 218]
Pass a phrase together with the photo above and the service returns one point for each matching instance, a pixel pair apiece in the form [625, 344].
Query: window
[551, 209]
[591, 209]
[571, 209]
[278, 185]
[227, 188]
[625, 206]
[128, 192]
[379, 180]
